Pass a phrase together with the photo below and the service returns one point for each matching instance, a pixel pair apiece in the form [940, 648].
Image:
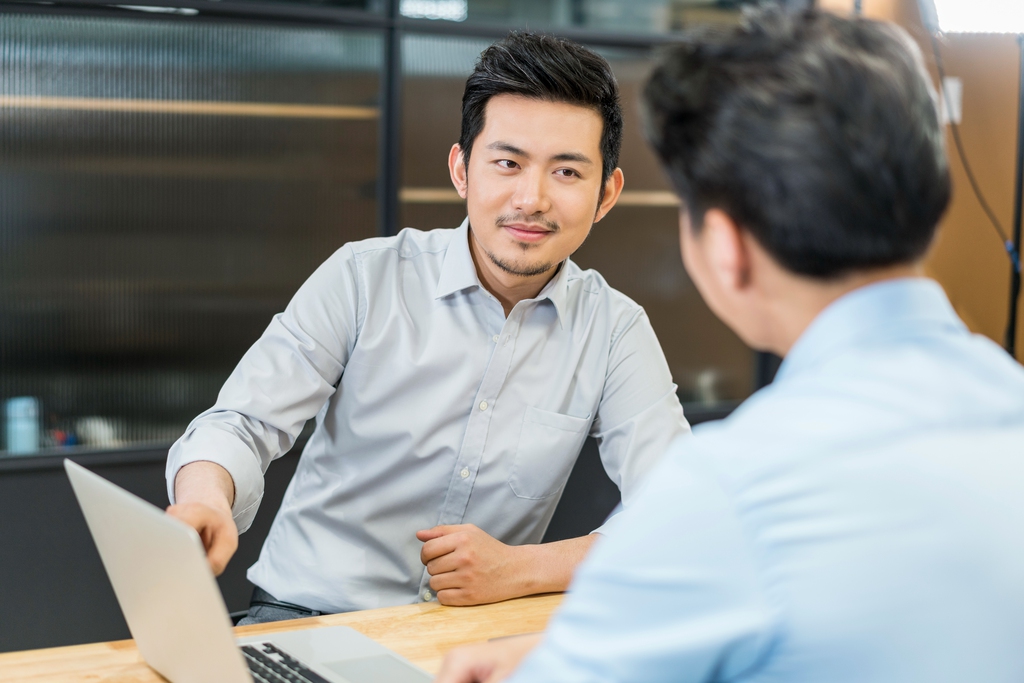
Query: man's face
[532, 185]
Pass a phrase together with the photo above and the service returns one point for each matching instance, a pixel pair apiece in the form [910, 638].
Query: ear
[726, 251]
[612, 190]
[457, 169]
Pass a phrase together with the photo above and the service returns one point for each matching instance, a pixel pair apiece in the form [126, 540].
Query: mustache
[507, 218]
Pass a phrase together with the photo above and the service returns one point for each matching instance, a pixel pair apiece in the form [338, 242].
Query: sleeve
[674, 595]
[639, 414]
[284, 379]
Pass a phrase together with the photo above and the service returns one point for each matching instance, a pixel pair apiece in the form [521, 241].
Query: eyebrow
[564, 156]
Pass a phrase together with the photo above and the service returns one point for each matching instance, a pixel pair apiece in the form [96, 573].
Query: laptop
[177, 616]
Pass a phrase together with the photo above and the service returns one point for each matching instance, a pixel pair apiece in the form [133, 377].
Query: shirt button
[483, 405]
[464, 472]
[427, 596]
[496, 338]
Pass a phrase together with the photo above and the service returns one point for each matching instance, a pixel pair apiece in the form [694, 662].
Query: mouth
[527, 232]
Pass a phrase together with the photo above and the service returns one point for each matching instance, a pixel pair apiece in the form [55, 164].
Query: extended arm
[215, 470]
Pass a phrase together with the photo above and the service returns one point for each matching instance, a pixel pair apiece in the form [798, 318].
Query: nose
[531, 194]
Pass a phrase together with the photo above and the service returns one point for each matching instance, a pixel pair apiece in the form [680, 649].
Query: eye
[567, 173]
[507, 164]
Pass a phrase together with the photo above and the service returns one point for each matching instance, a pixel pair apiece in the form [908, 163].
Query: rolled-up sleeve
[282, 381]
[639, 414]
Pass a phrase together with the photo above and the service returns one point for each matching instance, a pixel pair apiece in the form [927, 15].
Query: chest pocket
[549, 444]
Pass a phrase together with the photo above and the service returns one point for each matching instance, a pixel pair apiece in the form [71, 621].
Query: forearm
[204, 482]
[549, 567]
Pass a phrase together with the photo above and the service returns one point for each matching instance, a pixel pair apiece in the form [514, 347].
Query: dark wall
[54, 591]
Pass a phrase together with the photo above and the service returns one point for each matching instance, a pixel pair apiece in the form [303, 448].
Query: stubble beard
[516, 267]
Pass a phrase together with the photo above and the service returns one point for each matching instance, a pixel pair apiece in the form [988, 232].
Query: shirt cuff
[225, 449]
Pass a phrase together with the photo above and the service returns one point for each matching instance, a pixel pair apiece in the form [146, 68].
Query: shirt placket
[471, 454]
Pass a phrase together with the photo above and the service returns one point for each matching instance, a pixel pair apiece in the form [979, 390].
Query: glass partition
[167, 183]
[165, 187]
[636, 247]
[618, 16]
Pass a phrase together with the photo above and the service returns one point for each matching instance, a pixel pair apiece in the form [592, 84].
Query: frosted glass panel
[613, 16]
[164, 189]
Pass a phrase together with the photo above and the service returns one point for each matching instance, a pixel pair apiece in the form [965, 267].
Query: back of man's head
[547, 68]
[819, 135]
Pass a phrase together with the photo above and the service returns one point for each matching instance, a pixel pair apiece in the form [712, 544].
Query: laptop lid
[169, 597]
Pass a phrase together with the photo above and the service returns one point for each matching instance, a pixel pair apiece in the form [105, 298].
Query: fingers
[486, 662]
[448, 581]
[463, 665]
[444, 564]
[222, 548]
[442, 530]
[430, 534]
[216, 529]
[454, 597]
[437, 547]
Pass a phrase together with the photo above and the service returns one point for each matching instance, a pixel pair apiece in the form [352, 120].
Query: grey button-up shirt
[431, 407]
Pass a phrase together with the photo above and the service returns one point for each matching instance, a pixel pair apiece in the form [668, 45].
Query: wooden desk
[421, 633]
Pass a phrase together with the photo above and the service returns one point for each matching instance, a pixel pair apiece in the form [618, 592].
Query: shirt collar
[879, 312]
[557, 291]
[458, 272]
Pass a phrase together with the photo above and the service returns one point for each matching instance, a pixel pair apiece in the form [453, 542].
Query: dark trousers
[264, 608]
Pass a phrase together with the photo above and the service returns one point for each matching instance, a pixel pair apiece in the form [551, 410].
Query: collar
[458, 272]
[557, 291]
[876, 313]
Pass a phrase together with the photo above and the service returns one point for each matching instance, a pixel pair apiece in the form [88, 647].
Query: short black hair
[546, 68]
[817, 134]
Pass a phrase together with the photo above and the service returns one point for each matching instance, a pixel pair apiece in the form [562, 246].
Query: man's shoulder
[589, 290]
[409, 243]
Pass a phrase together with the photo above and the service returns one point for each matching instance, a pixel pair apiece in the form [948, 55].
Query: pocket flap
[547, 418]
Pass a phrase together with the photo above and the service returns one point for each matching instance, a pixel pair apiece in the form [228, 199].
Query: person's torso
[885, 512]
[446, 413]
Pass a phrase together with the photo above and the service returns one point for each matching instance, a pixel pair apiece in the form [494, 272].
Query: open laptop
[177, 616]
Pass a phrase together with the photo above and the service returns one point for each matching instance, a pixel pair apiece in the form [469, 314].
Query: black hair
[817, 134]
[546, 68]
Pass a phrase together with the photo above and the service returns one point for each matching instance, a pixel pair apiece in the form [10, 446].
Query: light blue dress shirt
[861, 520]
[431, 408]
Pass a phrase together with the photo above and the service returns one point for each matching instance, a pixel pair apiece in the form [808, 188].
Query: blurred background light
[980, 16]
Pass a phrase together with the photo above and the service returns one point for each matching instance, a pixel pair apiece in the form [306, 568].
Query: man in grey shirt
[453, 374]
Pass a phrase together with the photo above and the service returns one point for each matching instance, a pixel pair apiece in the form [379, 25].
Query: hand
[216, 528]
[470, 567]
[204, 492]
[486, 662]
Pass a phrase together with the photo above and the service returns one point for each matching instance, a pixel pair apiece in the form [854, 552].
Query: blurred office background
[169, 179]
[171, 172]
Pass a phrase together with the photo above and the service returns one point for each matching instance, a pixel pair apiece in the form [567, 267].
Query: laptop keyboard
[270, 664]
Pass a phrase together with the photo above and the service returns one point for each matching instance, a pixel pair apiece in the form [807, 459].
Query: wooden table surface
[421, 633]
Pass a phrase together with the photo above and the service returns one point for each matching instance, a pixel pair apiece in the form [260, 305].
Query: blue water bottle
[22, 425]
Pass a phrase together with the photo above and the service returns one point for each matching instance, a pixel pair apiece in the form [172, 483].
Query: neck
[508, 288]
[792, 302]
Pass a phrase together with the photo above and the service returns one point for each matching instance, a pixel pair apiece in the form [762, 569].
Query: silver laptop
[177, 616]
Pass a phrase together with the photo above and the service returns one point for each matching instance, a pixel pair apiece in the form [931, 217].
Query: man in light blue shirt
[453, 374]
[862, 518]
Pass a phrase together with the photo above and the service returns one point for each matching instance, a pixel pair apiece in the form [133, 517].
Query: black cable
[1011, 250]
